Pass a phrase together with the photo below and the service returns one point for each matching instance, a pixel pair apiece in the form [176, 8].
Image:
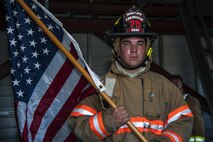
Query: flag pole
[75, 63]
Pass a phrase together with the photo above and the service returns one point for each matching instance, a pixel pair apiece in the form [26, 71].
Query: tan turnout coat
[155, 105]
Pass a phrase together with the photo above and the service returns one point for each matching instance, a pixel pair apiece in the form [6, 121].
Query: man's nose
[134, 48]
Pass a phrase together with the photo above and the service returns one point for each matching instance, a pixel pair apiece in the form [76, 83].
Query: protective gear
[132, 23]
[151, 105]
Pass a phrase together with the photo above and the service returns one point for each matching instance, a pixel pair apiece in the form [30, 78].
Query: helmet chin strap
[118, 59]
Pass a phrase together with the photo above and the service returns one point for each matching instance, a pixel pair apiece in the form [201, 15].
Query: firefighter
[150, 101]
[198, 130]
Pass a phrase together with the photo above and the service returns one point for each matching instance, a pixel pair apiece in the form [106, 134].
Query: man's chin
[133, 65]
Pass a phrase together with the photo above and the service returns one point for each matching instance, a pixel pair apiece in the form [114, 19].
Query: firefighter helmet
[132, 23]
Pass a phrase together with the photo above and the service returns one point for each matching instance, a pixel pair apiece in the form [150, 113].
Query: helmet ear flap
[116, 47]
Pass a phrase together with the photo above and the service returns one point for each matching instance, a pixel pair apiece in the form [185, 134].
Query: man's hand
[120, 116]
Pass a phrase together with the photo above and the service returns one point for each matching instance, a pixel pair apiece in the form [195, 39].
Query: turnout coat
[155, 105]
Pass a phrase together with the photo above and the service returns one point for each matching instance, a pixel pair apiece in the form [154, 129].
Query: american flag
[46, 85]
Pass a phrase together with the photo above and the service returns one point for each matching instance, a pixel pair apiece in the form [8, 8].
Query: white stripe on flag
[63, 133]
[43, 85]
[40, 89]
[21, 111]
[57, 104]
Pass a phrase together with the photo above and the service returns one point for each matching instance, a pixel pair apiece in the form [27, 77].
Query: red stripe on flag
[24, 137]
[71, 138]
[50, 94]
[67, 108]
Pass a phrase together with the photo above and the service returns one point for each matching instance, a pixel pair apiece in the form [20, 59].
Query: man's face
[132, 51]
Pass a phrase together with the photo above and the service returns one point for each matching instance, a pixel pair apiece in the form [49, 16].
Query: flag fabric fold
[46, 85]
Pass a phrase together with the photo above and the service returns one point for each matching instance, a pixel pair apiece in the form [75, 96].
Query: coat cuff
[108, 121]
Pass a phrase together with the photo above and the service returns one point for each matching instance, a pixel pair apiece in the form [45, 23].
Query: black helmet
[132, 23]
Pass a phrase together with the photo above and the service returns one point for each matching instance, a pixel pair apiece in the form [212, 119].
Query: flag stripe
[61, 135]
[40, 90]
[70, 138]
[56, 107]
[43, 85]
[25, 133]
[22, 126]
[54, 88]
[21, 106]
[62, 114]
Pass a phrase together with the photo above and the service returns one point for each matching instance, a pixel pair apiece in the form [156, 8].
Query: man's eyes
[130, 44]
[140, 44]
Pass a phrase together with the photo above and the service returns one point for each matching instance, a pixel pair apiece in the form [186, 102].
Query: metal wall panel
[95, 51]
[177, 58]
[8, 126]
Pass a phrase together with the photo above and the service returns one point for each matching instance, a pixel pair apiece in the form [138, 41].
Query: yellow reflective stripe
[197, 139]
[149, 53]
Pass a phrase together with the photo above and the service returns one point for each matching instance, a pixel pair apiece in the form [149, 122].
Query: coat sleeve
[179, 121]
[177, 130]
[90, 122]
